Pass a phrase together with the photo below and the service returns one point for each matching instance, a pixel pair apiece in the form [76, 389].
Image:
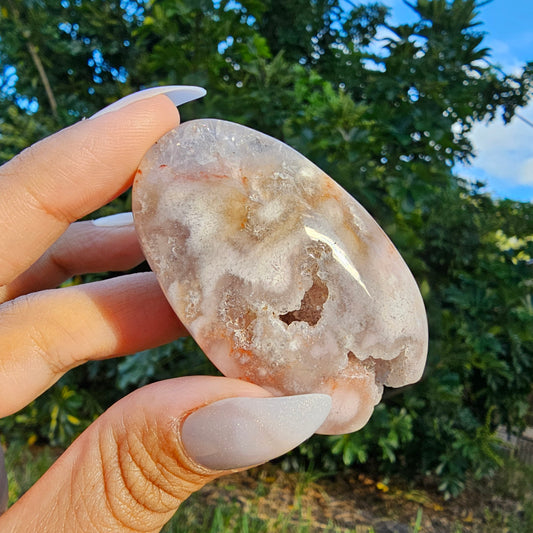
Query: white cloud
[502, 55]
[526, 172]
[504, 154]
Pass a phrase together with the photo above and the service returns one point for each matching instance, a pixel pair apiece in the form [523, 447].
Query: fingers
[70, 174]
[45, 334]
[134, 466]
[83, 248]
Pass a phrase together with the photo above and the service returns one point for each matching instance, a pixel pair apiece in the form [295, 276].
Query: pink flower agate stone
[283, 279]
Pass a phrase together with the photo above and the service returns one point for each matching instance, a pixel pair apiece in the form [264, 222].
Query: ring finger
[108, 244]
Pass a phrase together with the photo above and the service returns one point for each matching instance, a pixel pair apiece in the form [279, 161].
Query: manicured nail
[119, 219]
[179, 94]
[240, 432]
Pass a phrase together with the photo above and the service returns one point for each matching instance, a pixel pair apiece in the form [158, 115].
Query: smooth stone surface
[280, 275]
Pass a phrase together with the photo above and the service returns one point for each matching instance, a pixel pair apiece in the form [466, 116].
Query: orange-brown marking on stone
[235, 212]
[312, 304]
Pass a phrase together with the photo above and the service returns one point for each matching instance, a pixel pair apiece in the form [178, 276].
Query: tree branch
[36, 59]
[44, 78]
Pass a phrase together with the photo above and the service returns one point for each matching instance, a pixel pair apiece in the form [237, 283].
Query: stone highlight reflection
[280, 275]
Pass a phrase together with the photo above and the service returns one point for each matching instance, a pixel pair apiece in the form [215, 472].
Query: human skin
[130, 470]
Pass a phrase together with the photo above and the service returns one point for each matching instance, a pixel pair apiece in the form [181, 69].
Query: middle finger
[84, 248]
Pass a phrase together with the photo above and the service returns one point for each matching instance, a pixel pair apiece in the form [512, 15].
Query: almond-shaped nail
[119, 219]
[241, 432]
[179, 94]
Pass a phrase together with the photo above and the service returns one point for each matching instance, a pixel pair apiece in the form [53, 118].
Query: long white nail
[119, 219]
[240, 432]
[179, 94]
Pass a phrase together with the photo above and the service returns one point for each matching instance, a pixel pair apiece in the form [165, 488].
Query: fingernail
[179, 94]
[119, 219]
[240, 432]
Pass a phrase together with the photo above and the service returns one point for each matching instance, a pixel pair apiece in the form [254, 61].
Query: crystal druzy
[282, 277]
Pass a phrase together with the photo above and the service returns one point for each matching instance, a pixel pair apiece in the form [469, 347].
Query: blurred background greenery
[379, 116]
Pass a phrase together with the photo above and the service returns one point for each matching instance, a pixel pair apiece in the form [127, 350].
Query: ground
[268, 500]
[354, 502]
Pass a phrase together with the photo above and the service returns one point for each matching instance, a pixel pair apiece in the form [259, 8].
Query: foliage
[69, 407]
[384, 109]
[25, 467]
[57, 418]
[391, 429]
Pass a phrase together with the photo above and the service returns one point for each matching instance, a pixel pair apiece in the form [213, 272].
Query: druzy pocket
[279, 274]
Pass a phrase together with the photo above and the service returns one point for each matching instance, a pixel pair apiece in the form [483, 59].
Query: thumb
[132, 468]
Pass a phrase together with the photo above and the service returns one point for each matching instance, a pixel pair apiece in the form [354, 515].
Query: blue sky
[504, 154]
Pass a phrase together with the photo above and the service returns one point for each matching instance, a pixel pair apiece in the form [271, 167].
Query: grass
[512, 483]
[233, 508]
[232, 519]
[25, 466]
[267, 499]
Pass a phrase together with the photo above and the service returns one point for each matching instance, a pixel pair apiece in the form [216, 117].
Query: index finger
[70, 174]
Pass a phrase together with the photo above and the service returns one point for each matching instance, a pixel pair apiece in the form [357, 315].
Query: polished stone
[279, 274]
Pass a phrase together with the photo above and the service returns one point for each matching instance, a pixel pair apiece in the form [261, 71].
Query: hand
[133, 467]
